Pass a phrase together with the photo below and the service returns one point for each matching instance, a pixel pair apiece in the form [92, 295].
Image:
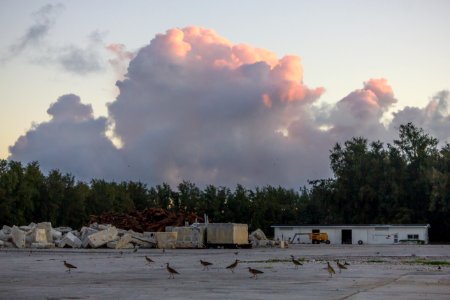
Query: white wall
[368, 235]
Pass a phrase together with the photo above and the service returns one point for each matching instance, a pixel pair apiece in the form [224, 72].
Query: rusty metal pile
[149, 219]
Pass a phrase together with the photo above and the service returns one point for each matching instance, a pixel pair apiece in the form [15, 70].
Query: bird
[205, 264]
[233, 265]
[254, 272]
[340, 266]
[171, 271]
[69, 266]
[330, 269]
[135, 249]
[296, 262]
[236, 253]
[164, 250]
[148, 259]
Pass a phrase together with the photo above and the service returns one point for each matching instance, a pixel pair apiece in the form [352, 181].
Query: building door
[346, 236]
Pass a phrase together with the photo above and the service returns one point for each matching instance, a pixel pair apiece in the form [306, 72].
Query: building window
[413, 236]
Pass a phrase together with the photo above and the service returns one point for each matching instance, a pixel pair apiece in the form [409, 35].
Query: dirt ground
[375, 272]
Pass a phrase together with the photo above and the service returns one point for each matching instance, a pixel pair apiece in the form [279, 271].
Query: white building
[354, 234]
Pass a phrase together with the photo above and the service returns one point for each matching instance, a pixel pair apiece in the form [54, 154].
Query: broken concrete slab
[63, 229]
[56, 235]
[124, 241]
[85, 233]
[18, 237]
[42, 245]
[6, 229]
[100, 238]
[4, 236]
[39, 235]
[47, 226]
[70, 240]
[166, 240]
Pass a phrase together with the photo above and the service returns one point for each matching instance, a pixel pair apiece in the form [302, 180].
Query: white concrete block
[4, 236]
[6, 229]
[124, 241]
[56, 235]
[47, 226]
[42, 245]
[102, 237]
[70, 240]
[18, 237]
[85, 233]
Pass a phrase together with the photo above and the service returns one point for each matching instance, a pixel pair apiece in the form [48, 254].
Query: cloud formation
[194, 106]
[70, 57]
[44, 20]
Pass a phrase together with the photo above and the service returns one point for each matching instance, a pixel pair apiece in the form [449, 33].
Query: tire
[327, 242]
[360, 242]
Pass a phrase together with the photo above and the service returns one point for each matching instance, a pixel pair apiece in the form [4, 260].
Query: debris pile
[147, 220]
[139, 229]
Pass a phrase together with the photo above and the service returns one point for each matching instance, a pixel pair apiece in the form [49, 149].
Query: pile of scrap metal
[149, 219]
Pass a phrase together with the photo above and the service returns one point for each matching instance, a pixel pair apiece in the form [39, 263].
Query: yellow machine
[319, 237]
[314, 237]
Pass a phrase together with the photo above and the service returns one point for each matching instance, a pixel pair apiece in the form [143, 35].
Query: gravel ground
[375, 272]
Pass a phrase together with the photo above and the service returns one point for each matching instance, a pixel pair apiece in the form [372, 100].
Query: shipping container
[227, 235]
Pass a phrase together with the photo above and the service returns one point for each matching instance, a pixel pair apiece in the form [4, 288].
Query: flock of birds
[254, 272]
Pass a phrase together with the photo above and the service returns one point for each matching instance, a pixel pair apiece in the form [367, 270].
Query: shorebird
[254, 272]
[69, 266]
[171, 271]
[236, 253]
[205, 264]
[330, 269]
[233, 265]
[296, 262]
[340, 266]
[148, 259]
[135, 249]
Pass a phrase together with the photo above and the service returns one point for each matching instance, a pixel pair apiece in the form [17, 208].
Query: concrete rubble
[102, 237]
[259, 239]
[70, 240]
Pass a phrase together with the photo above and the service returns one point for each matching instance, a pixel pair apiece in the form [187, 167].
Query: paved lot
[375, 272]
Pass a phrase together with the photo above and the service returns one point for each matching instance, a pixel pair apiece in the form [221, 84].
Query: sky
[216, 92]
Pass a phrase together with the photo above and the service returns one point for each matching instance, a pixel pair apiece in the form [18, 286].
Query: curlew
[340, 266]
[69, 266]
[233, 265]
[254, 272]
[205, 264]
[296, 262]
[330, 269]
[171, 271]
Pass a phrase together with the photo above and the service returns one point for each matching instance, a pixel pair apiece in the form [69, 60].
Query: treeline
[401, 183]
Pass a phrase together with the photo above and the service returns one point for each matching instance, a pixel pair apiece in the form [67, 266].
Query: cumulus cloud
[72, 141]
[433, 118]
[121, 59]
[194, 106]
